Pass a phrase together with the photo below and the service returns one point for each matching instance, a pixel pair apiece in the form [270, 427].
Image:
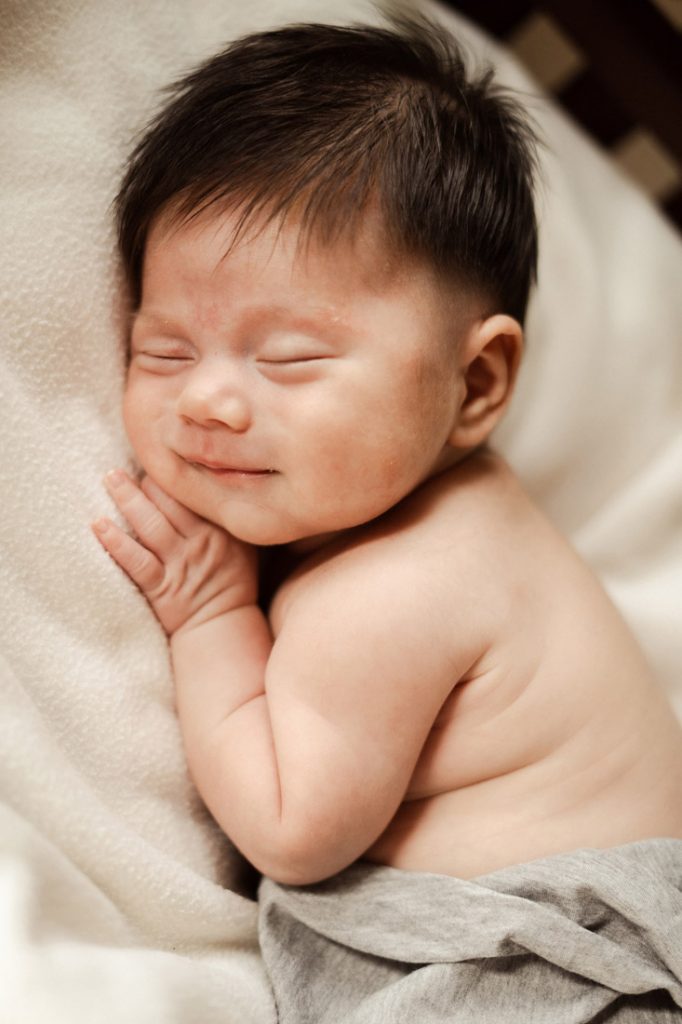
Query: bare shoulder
[434, 564]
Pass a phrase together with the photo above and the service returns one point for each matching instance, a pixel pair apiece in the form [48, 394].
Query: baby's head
[329, 237]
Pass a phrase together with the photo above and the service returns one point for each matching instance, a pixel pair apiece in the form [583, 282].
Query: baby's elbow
[302, 858]
[288, 873]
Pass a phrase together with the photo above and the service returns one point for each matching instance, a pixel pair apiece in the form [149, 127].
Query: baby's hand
[189, 570]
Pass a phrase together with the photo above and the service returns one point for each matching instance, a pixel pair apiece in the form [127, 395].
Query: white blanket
[115, 901]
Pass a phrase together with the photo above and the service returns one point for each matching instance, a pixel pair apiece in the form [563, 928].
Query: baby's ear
[489, 361]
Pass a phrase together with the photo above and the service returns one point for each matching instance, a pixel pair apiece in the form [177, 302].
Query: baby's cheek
[132, 415]
[136, 420]
[142, 425]
[371, 473]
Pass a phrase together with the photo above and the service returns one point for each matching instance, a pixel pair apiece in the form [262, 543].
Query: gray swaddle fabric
[592, 935]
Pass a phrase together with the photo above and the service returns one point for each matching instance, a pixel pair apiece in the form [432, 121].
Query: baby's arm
[301, 749]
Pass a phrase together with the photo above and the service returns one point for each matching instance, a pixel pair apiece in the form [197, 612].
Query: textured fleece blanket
[119, 899]
[593, 935]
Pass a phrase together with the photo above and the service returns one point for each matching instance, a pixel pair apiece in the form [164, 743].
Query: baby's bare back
[557, 736]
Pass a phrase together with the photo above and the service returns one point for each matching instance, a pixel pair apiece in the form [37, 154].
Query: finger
[146, 519]
[179, 516]
[141, 565]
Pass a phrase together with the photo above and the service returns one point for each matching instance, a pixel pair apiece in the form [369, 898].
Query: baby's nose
[215, 402]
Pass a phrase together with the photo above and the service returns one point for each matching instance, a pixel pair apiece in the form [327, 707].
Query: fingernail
[115, 477]
[100, 526]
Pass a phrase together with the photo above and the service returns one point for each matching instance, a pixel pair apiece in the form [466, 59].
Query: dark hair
[321, 119]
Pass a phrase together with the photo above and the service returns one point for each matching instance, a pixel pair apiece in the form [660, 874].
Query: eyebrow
[324, 321]
[154, 318]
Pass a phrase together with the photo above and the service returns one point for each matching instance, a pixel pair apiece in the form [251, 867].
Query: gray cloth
[592, 935]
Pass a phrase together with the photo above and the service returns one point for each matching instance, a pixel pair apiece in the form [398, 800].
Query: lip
[234, 471]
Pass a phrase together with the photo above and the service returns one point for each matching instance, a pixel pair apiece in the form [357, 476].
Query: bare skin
[441, 684]
[558, 736]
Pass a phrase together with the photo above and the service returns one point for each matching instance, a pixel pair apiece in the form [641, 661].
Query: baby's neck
[307, 545]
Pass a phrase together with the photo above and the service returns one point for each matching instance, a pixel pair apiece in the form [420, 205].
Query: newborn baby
[382, 648]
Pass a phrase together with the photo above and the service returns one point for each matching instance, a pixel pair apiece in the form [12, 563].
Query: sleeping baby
[383, 651]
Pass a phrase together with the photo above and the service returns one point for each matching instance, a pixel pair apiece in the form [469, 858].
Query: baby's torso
[557, 737]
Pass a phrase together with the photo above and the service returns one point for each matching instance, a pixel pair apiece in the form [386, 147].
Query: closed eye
[293, 368]
[286, 360]
[161, 362]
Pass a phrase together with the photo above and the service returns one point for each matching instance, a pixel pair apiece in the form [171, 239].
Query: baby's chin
[299, 541]
[265, 531]
[261, 529]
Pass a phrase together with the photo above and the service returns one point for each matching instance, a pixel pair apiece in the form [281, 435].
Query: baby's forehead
[366, 251]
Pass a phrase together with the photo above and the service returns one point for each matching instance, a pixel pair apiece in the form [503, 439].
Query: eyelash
[294, 360]
[149, 360]
[171, 359]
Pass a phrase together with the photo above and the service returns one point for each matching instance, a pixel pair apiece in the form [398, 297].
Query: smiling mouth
[231, 471]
